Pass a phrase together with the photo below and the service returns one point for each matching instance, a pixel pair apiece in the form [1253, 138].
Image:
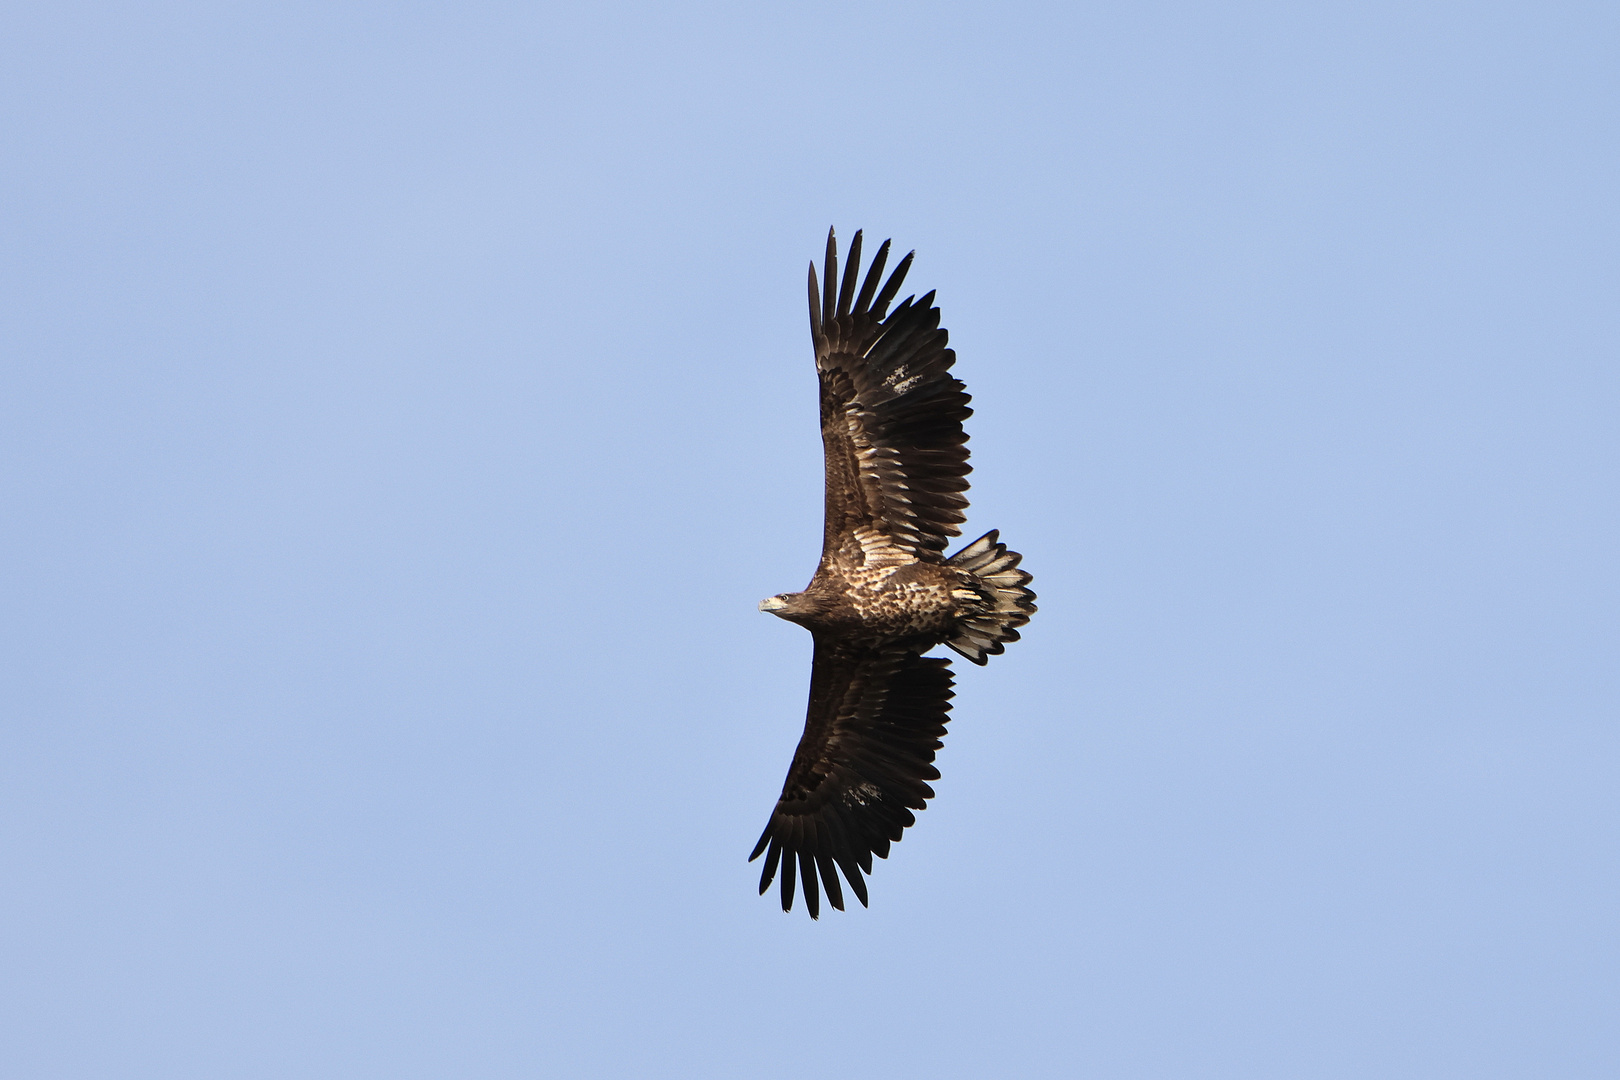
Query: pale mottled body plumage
[884, 602]
[883, 591]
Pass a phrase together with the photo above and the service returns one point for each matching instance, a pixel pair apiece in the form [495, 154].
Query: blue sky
[404, 407]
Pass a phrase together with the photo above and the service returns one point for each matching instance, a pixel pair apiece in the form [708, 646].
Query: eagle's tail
[1001, 583]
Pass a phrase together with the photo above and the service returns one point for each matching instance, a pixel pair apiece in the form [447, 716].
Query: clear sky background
[405, 406]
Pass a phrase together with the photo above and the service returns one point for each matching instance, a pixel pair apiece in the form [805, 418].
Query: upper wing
[874, 722]
[891, 415]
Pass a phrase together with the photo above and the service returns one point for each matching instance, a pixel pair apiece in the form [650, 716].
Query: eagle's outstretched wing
[862, 766]
[891, 416]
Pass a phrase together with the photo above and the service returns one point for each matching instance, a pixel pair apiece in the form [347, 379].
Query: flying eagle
[884, 591]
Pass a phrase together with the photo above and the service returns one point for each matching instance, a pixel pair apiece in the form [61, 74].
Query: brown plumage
[884, 592]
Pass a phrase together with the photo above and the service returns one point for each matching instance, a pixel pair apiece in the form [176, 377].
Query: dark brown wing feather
[891, 413]
[863, 765]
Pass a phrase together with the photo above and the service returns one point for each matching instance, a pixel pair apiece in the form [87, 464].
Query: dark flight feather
[850, 271]
[874, 274]
[830, 268]
[815, 306]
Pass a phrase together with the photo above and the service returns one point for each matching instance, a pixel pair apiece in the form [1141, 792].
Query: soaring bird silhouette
[884, 592]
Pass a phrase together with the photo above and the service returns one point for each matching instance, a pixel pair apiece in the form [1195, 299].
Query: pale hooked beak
[772, 603]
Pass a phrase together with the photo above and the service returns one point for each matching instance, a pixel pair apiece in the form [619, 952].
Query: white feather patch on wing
[878, 549]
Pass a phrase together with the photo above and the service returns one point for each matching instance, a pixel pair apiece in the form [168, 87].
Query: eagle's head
[792, 606]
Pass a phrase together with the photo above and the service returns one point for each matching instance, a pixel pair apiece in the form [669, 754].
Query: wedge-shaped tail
[1001, 585]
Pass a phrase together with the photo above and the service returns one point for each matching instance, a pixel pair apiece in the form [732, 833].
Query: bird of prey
[884, 591]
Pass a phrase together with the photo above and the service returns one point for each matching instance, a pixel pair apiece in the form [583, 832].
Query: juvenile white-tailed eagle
[884, 591]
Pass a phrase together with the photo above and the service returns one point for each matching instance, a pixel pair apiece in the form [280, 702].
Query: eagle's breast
[890, 602]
